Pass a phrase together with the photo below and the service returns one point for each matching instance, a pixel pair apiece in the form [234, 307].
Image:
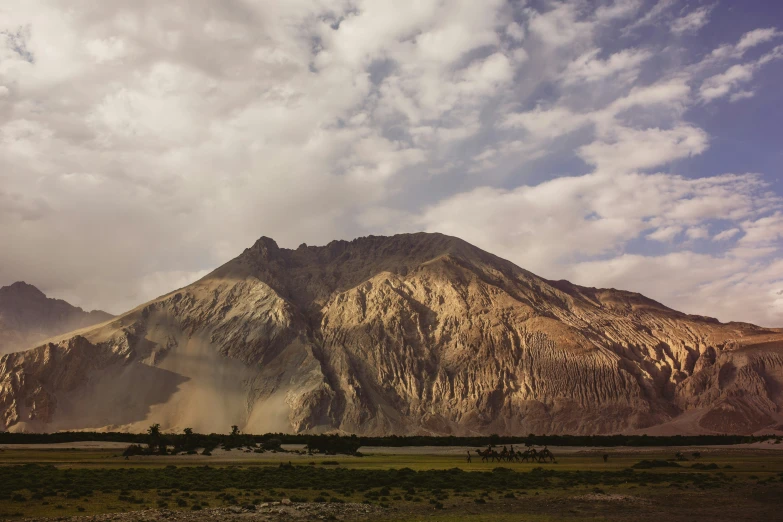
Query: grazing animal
[486, 454]
[545, 454]
[530, 455]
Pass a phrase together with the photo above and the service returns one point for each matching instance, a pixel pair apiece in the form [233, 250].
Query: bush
[272, 444]
[649, 464]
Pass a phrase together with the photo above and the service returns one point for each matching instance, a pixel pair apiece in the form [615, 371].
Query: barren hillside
[415, 333]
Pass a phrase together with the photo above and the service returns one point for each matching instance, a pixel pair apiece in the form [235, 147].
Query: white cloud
[543, 124]
[723, 286]
[515, 31]
[549, 123]
[653, 15]
[747, 41]
[766, 231]
[700, 232]
[691, 22]
[741, 95]
[164, 127]
[560, 26]
[726, 234]
[628, 149]
[757, 36]
[594, 213]
[623, 65]
[668, 92]
[619, 9]
[720, 85]
[107, 49]
[665, 234]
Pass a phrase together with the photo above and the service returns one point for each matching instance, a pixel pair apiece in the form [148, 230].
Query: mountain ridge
[408, 334]
[28, 316]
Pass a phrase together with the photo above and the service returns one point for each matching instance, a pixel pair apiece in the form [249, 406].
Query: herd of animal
[533, 455]
[510, 455]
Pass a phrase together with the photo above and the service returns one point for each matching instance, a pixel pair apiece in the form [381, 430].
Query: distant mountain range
[28, 317]
[409, 334]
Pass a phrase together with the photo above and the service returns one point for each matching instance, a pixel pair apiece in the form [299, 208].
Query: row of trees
[188, 440]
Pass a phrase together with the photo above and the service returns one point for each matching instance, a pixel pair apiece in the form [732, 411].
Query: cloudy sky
[624, 143]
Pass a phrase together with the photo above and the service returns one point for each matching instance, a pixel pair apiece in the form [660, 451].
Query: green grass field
[737, 484]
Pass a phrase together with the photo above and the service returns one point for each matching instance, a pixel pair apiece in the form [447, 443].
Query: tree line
[189, 440]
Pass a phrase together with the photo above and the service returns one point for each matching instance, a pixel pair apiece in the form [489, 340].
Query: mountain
[409, 334]
[28, 317]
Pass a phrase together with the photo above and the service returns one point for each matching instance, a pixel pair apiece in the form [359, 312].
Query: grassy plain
[731, 483]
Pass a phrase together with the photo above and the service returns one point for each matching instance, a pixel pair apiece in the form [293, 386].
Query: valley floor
[92, 482]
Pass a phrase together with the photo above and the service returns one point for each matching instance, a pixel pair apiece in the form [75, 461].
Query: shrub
[649, 464]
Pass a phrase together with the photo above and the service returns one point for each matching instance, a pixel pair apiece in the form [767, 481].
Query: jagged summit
[405, 249]
[311, 274]
[413, 333]
[412, 248]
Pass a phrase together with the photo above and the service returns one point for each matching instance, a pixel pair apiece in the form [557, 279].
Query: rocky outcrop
[416, 333]
[28, 317]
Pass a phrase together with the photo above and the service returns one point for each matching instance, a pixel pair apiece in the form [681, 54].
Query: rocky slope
[28, 317]
[415, 333]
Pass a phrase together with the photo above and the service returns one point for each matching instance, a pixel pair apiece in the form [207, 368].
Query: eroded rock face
[28, 317]
[417, 333]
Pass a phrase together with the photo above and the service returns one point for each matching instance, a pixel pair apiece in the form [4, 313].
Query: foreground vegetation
[723, 484]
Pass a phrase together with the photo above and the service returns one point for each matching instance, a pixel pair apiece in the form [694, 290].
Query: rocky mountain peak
[310, 275]
[407, 334]
[21, 289]
[264, 246]
[28, 316]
